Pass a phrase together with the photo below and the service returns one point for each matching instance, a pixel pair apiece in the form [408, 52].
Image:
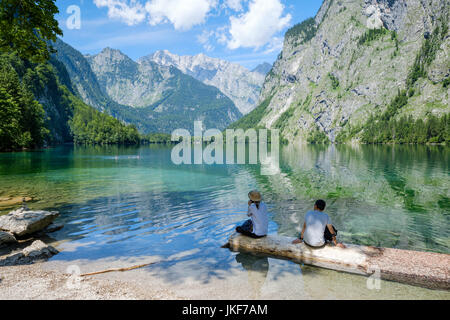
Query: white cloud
[275, 45]
[204, 39]
[235, 5]
[258, 25]
[183, 14]
[131, 12]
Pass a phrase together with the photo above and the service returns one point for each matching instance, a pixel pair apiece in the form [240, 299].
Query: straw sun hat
[254, 196]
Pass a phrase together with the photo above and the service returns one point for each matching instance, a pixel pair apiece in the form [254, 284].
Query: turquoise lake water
[121, 202]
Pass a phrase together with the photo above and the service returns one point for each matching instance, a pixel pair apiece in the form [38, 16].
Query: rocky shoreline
[21, 232]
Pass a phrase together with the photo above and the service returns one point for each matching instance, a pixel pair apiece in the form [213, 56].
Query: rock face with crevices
[23, 222]
[425, 269]
[336, 71]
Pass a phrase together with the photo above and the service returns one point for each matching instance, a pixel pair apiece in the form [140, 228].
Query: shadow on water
[257, 268]
[178, 227]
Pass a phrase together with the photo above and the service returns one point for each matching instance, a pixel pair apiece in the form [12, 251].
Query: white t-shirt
[259, 218]
[316, 222]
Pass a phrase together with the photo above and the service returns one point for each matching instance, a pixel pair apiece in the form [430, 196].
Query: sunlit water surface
[132, 203]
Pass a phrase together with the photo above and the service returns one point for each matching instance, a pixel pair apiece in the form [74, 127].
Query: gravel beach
[33, 282]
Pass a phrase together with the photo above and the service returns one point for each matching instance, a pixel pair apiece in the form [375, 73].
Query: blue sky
[248, 32]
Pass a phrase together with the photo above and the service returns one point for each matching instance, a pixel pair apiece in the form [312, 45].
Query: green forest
[38, 104]
[39, 107]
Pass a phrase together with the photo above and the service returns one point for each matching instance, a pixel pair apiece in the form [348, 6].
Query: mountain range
[236, 82]
[163, 91]
[359, 71]
[359, 68]
[154, 97]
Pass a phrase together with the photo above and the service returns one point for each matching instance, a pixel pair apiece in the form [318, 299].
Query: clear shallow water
[119, 203]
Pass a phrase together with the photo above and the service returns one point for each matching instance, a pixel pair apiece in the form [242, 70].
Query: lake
[129, 203]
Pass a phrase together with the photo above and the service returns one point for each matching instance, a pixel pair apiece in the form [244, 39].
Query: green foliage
[302, 32]
[316, 136]
[394, 37]
[425, 57]
[334, 81]
[396, 104]
[371, 35]
[284, 118]
[25, 26]
[446, 82]
[24, 124]
[157, 138]
[21, 117]
[408, 130]
[252, 119]
[92, 127]
[346, 134]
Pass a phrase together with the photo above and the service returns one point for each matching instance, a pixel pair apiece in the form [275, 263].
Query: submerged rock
[6, 238]
[37, 251]
[12, 201]
[53, 227]
[23, 221]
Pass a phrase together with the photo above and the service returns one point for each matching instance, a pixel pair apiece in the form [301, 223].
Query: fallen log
[425, 269]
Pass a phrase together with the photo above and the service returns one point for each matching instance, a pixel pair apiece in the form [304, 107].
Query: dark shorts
[327, 234]
[247, 230]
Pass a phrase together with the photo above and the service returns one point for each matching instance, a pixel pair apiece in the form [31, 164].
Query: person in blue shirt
[317, 228]
[258, 224]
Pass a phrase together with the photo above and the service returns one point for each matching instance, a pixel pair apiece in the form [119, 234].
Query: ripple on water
[129, 203]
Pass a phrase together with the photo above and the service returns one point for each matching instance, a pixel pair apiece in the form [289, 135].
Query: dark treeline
[92, 127]
[372, 35]
[302, 32]
[407, 130]
[21, 116]
[157, 138]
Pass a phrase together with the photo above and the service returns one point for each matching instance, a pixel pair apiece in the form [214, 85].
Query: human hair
[320, 204]
[257, 203]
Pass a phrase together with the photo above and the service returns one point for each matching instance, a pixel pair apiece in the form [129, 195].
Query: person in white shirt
[258, 224]
[317, 229]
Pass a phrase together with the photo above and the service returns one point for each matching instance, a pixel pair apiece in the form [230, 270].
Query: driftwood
[425, 269]
[117, 270]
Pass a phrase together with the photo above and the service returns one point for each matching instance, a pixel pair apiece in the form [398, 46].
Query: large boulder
[6, 238]
[37, 251]
[22, 222]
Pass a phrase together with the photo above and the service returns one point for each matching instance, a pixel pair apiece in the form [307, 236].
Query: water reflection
[395, 196]
[257, 268]
[118, 203]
